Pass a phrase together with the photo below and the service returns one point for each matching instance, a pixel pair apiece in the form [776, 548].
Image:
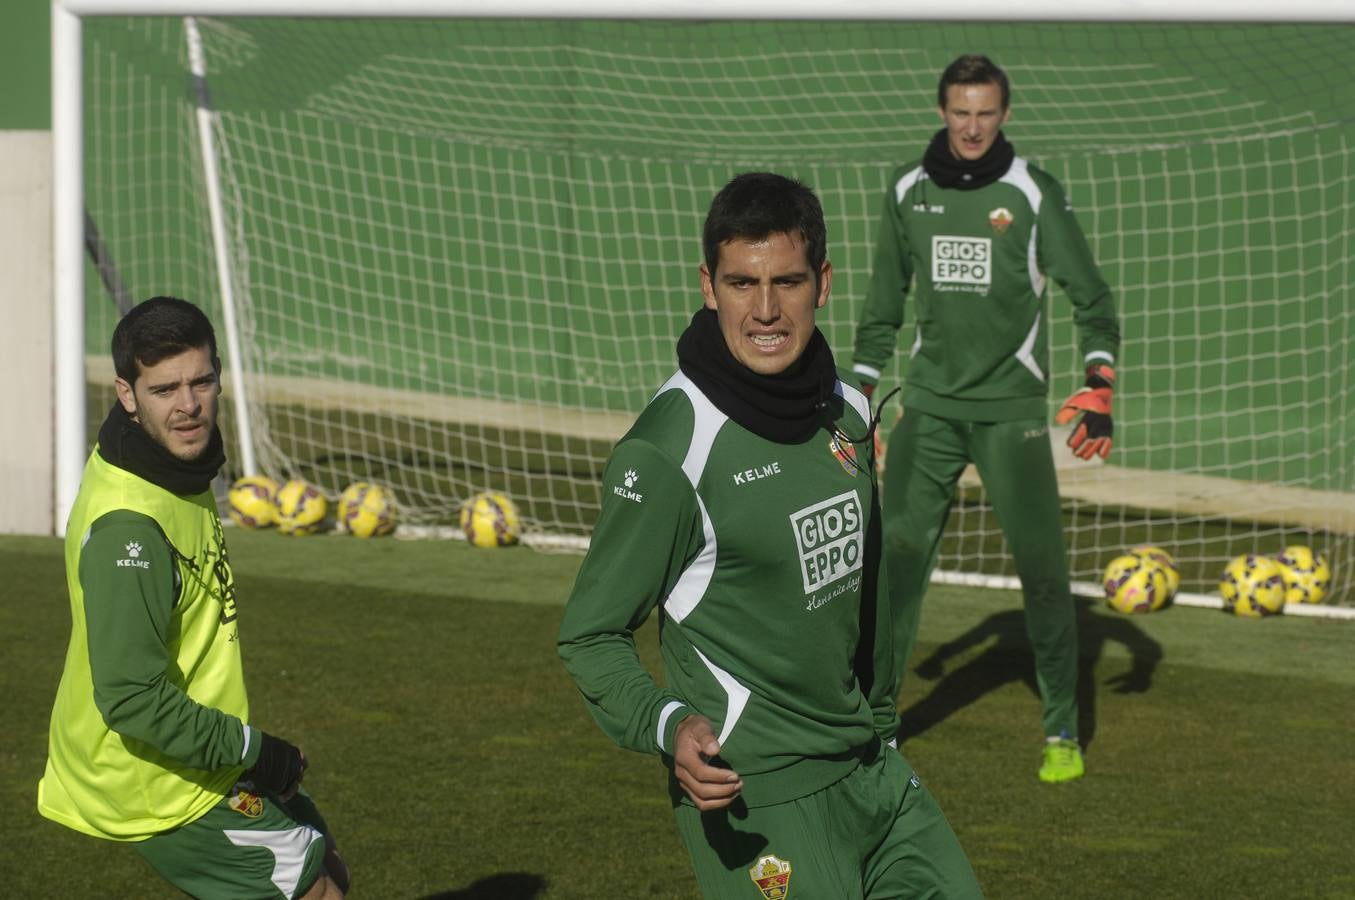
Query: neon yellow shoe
[1062, 760]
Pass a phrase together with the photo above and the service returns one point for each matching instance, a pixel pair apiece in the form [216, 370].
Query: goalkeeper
[978, 231]
[149, 742]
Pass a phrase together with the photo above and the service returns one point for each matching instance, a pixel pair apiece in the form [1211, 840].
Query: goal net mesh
[462, 250]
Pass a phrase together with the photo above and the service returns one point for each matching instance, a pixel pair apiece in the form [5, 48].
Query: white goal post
[1182, 484]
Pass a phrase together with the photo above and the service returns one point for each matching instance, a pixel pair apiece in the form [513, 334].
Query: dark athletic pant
[923, 463]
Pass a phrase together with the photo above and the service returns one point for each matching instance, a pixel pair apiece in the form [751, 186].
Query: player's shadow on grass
[503, 886]
[1009, 659]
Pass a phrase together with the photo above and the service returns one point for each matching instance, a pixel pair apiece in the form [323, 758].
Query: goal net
[462, 250]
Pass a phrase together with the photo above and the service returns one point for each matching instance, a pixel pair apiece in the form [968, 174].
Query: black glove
[279, 766]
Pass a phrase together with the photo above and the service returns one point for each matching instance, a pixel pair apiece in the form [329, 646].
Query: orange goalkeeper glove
[1092, 436]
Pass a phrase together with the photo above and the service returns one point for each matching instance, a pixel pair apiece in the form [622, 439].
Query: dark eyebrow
[797, 275]
[206, 378]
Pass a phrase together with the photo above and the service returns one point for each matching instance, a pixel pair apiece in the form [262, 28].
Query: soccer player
[978, 231]
[149, 741]
[742, 503]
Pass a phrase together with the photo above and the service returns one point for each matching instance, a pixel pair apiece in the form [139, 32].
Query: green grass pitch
[454, 759]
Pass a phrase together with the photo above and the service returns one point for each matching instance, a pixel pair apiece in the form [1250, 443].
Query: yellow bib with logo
[96, 780]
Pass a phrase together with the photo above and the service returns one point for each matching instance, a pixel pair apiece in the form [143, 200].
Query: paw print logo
[133, 549]
[631, 478]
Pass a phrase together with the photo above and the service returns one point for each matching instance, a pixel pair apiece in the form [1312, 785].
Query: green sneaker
[1062, 760]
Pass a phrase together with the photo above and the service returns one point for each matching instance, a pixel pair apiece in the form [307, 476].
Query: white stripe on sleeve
[672, 707]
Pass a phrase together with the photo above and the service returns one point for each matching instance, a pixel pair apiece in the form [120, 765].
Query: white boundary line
[564, 543]
[1089, 589]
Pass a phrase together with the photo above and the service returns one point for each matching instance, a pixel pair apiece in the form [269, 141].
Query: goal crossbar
[962, 10]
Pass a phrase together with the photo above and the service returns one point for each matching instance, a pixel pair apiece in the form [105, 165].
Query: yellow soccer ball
[491, 520]
[1135, 584]
[301, 508]
[1306, 574]
[1166, 561]
[367, 510]
[1253, 586]
[251, 501]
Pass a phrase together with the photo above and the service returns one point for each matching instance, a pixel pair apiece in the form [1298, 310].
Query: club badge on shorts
[246, 803]
[845, 453]
[771, 874]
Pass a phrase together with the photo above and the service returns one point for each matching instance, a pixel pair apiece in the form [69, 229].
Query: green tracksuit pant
[925, 457]
[877, 834]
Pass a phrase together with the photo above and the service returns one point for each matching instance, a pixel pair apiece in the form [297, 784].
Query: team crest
[1000, 218]
[845, 453]
[247, 804]
[771, 874]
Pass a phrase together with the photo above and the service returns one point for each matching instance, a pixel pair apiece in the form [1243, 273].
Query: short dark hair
[755, 205]
[973, 68]
[157, 329]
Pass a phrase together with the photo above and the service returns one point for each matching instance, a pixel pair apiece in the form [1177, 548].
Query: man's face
[764, 294]
[973, 115]
[175, 401]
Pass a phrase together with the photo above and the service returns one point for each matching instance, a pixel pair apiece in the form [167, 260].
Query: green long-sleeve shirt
[764, 559]
[978, 261]
[130, 617]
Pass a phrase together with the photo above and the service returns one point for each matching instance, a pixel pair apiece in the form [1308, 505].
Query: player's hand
[1092, 436]
[694, 746]
[279, 768]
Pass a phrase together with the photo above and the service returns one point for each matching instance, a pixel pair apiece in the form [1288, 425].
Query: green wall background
[512, 216]
[510, 210]
[25, 65]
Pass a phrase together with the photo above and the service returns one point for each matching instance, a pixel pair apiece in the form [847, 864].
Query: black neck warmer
[786, 408]
[948, 172]
[125, 444]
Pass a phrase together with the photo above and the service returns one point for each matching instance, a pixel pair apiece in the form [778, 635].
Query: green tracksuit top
[979, 260]
[147, 731]
[765, 560]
